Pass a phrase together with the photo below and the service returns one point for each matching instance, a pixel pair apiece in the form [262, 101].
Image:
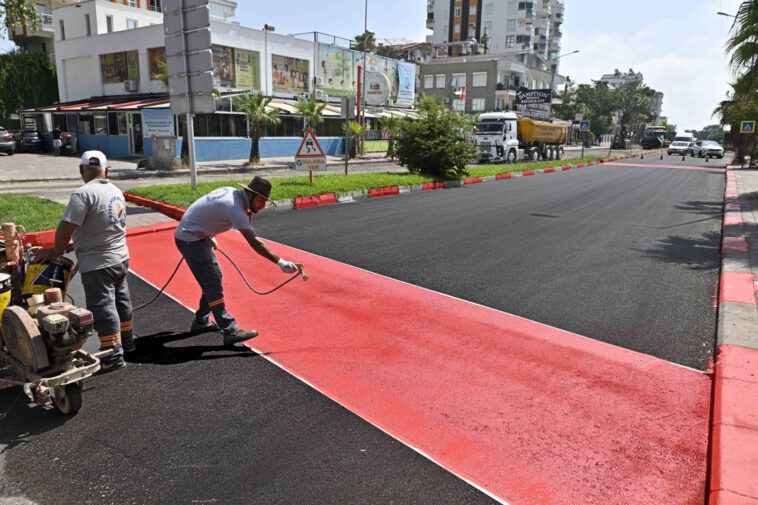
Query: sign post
[746, 128]
[584, 126]
[309, 155]
[348, 111]
[189, 62]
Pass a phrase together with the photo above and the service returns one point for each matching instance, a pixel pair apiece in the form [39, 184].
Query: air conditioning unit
[131, 85]
[320, 95]
[319, 81]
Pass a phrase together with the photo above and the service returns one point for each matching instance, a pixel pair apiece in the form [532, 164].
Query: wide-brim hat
[261, 187]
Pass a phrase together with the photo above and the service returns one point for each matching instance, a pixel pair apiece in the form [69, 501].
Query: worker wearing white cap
[96, 219]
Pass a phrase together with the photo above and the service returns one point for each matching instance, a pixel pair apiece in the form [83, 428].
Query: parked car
[32, 140]
[711, 149]
[7, 145]
[678, 147]
[696, 147]
[689, 148]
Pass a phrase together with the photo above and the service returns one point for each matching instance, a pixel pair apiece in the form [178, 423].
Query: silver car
[7, 145]
[711, 149]
[678, 147]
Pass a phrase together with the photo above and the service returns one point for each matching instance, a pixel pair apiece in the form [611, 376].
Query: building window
[440, 80]
[525, 6]
[479, 79]
[510, 25]
[457, 28]
[87, 26]
[459, 105]
[477, 104]
[155, 5]
[130, 3]
[489, 9]
[457, 12]
[523, 39]
[429, 81]
[109, 23]
[101, 124]
[63, 29]
[509, 40]
[131, 24]
[458, 81]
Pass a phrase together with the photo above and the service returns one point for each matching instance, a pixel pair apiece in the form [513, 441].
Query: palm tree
[387, 51]
[366, 41]
[311, 110]
[355, 131]
[743, 44]
[256, 108]
[392, 126]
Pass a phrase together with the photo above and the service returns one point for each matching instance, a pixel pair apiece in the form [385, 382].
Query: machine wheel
[511, 158]
[558, 153]
[550, 153]
[67, 399]
[534, 154]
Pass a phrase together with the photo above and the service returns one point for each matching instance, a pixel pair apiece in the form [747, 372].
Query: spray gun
[298, 265]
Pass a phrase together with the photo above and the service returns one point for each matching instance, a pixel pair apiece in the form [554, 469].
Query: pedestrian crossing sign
[584, 126]
[747, 127]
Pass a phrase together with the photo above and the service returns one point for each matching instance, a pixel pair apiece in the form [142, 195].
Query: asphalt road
[626, 255]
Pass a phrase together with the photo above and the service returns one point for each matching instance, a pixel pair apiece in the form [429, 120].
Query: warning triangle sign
[309, 147]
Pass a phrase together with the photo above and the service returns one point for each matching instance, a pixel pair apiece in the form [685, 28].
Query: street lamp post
[552, 81]
[363, 94]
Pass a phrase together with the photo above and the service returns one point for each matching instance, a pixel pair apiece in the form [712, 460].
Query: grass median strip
[182, 195]
[33, 213]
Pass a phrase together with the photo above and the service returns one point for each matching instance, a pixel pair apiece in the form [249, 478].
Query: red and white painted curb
[734, 428]
[305, 202]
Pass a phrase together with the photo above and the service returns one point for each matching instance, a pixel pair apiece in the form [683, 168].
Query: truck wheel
[534, 154]
[511, 158]
[550, 154]
[558, 153]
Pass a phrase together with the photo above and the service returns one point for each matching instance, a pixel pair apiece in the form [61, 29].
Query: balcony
[45, 23]
[527, 17]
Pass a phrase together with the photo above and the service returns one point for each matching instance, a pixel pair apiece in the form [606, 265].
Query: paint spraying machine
[41, 335]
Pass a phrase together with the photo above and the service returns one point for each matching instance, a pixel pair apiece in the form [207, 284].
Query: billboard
[247, 68]
[289, 75]
[385, 66]
[406, 77]
[117, 67]
[336, 68]
[223, 67]
[155, 55]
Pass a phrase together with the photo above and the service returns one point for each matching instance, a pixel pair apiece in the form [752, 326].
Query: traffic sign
[584, 126]
[747, 127]
[309, 155]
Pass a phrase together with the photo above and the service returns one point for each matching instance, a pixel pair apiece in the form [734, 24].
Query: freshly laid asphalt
[624, 254]
[188, 421]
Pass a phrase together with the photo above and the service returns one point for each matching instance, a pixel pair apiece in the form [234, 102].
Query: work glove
[286, 266]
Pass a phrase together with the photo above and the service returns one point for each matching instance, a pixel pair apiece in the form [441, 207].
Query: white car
[707, 149]
[678, 147]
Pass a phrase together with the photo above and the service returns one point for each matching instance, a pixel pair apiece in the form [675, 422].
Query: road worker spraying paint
[221, 210]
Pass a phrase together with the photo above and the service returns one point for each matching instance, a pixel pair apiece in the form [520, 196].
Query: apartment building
[529, 32]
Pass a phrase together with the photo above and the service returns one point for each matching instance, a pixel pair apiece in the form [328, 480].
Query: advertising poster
[289, 75]
[336, 68]
[132, 64]
[223, 67]
[385, 66]
[157, 122]
[247, 66]
[155, 55]
[406, 77]
[113, 68]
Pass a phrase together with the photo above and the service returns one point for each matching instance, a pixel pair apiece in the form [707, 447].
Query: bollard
[684, 157]
[642, 155]
[661, 154]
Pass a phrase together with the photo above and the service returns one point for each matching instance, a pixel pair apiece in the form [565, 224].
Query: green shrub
[435, 143]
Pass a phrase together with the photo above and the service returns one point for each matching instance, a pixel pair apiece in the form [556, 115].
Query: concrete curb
[305, 202]
[734, 427]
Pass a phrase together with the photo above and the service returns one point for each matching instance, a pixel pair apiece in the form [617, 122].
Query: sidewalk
[734, 430]
[46, 168]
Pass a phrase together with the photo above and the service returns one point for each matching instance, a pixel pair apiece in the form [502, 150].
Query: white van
[684, 137]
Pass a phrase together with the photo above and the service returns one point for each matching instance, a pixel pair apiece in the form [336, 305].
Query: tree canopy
[17, 13]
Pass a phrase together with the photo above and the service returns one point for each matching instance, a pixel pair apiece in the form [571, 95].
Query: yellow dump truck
[504, 136]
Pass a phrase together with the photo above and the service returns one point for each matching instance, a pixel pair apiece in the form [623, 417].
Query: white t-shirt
[99, 210]
[220, 210]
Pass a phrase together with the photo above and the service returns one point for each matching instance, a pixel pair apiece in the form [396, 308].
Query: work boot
[127, 343]
[113, 361]
[206, 327]
[231, 337]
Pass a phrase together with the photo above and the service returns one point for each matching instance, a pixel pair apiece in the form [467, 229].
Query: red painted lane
[683, 167]
[530, 413]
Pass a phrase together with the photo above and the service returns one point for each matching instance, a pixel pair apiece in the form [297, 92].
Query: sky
[678, 45]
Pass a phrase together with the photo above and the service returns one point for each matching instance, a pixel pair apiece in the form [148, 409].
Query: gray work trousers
[107, 294]
[203, 264]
